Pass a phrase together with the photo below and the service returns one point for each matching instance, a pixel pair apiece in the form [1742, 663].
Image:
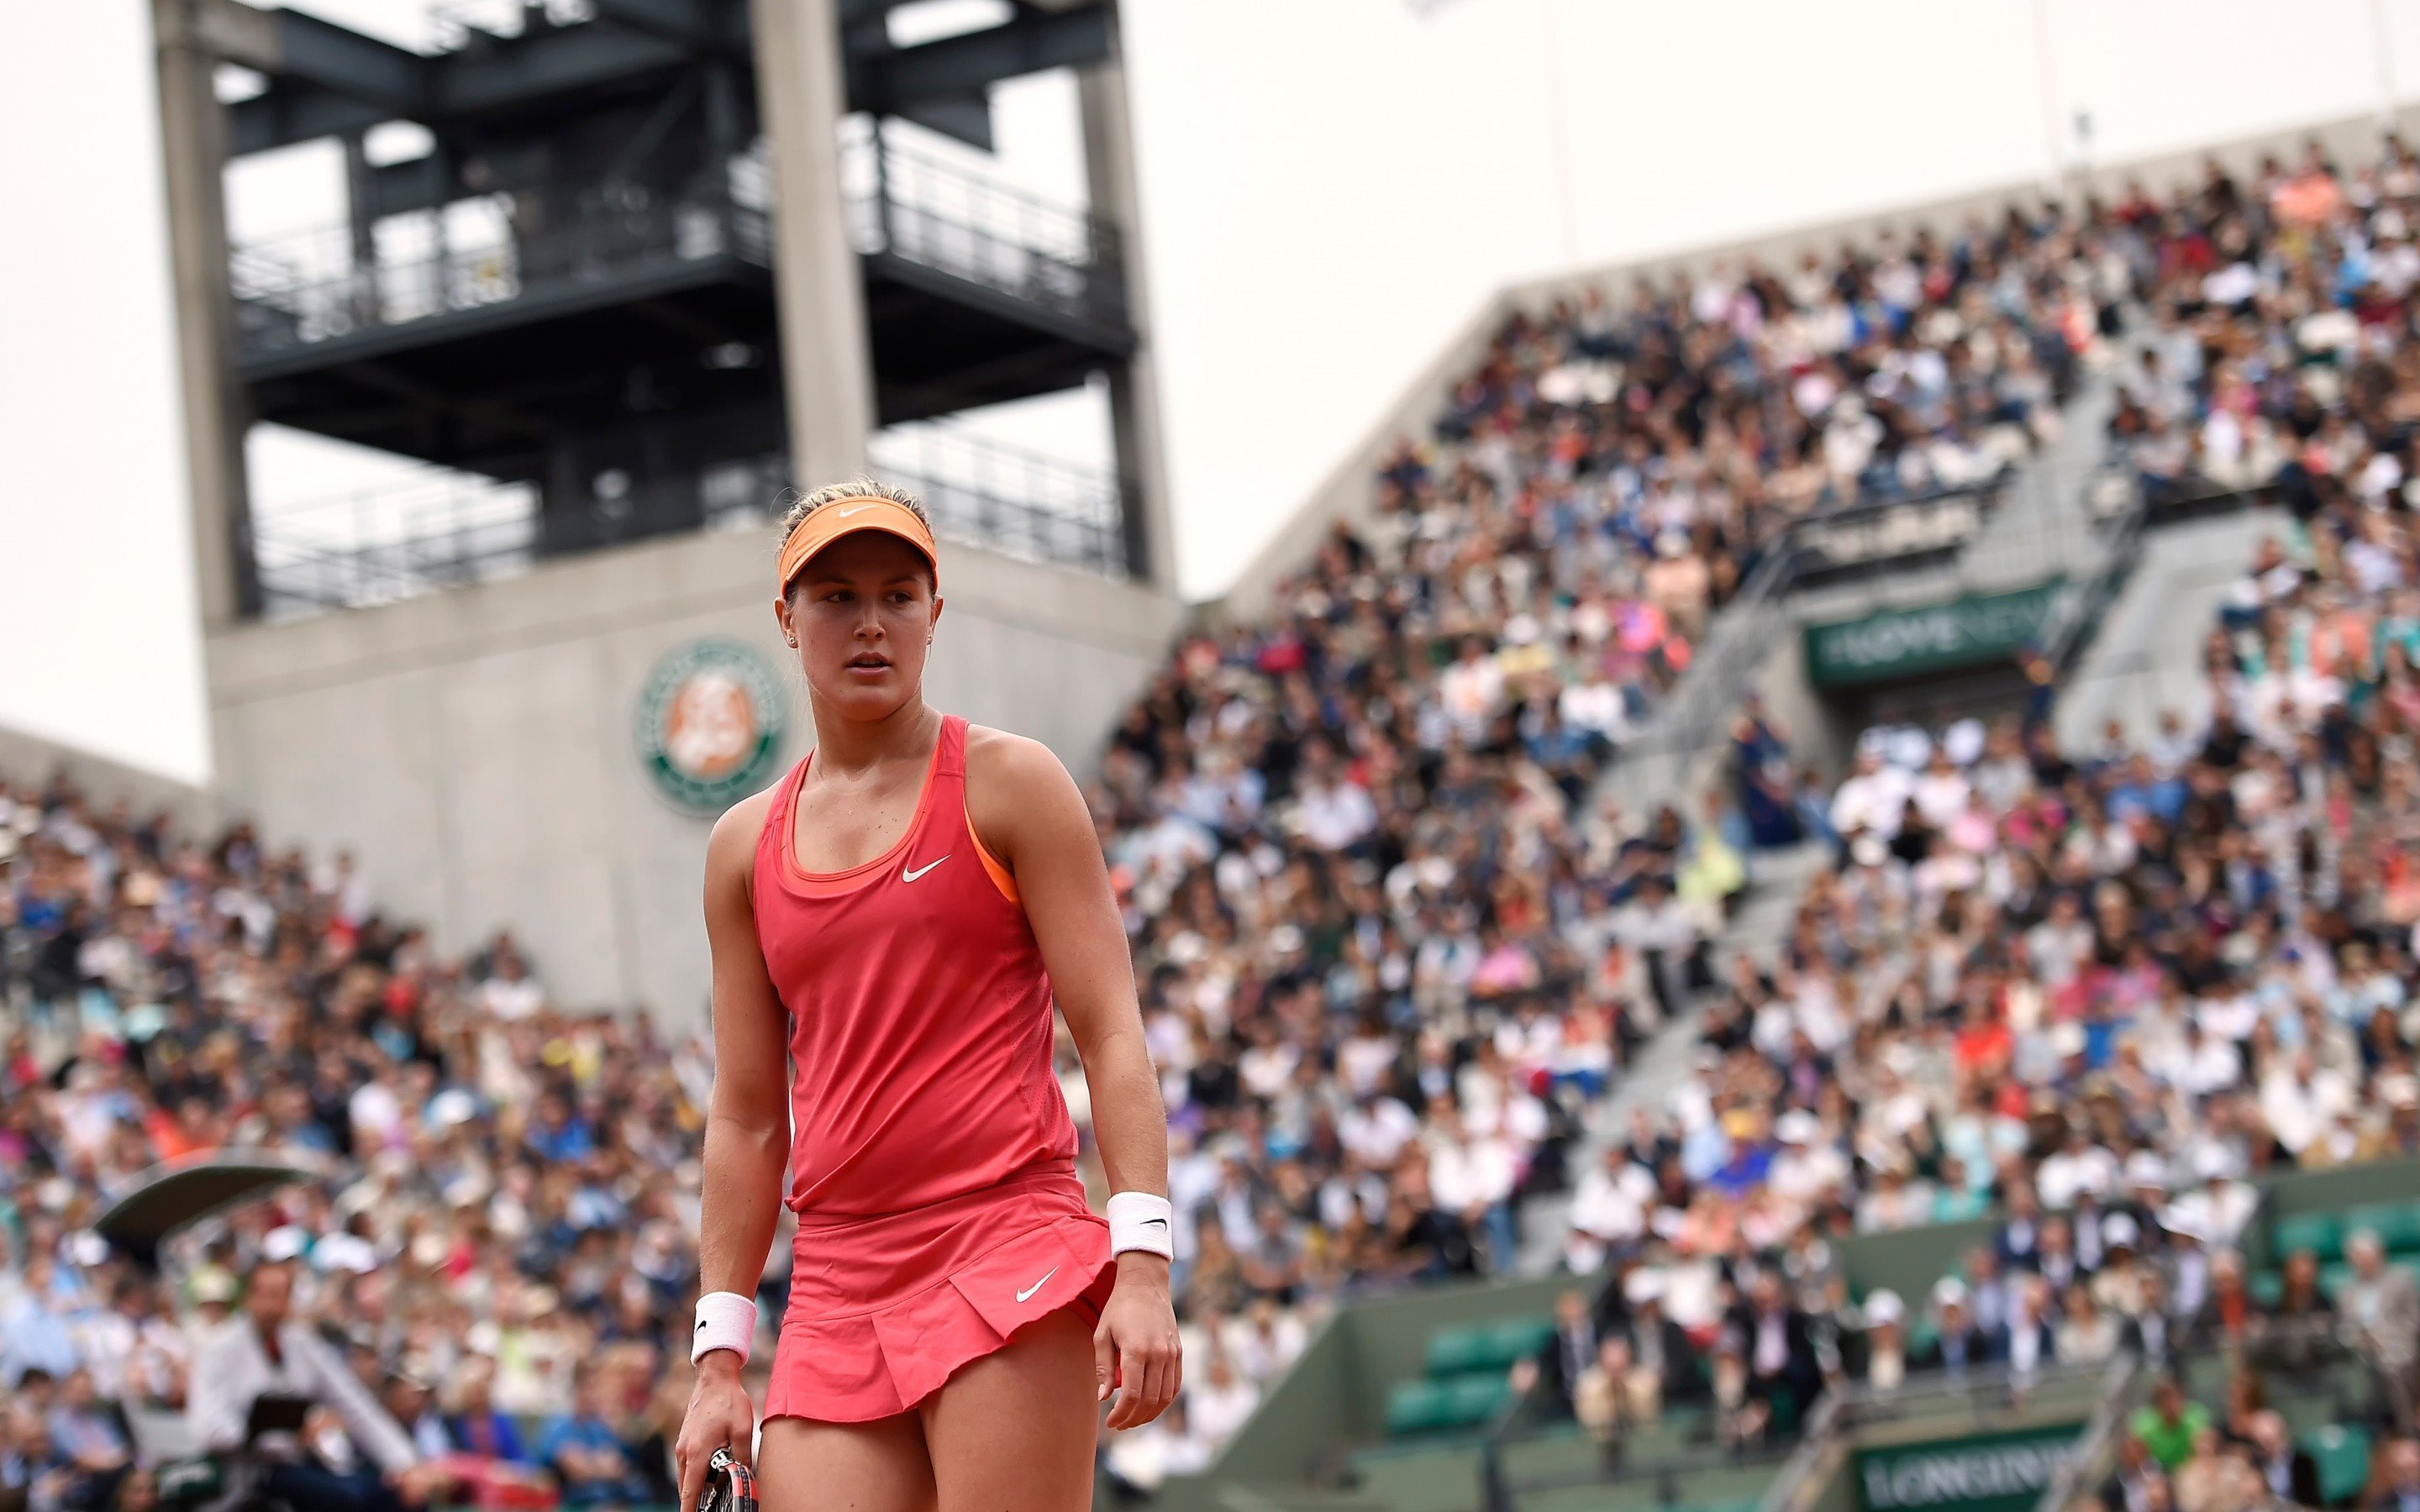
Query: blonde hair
[798, 506]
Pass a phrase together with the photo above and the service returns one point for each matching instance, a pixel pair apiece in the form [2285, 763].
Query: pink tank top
[920, 1011]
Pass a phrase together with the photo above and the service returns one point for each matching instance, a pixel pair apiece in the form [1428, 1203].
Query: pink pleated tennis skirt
[885, 1308]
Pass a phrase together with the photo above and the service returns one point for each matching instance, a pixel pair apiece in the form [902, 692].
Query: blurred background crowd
[1394, 948]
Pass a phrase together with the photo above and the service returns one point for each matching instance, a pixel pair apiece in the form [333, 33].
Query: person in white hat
[2184, 1260]
[1805, 1167]
[1885, 1340]
[1958, 1345]
[1657, 1344]
[2146, 1186]
[2117, 1285]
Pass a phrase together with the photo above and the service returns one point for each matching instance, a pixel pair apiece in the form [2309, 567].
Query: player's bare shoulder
[1018, 792]
[730, 848]
[1017, 765]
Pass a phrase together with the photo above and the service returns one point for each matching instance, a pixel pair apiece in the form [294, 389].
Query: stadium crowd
[2092, 992]
[1379, 923]
[1390, 950]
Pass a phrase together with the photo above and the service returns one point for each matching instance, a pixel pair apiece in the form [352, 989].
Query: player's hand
[1134, 1349]
[720, 1416]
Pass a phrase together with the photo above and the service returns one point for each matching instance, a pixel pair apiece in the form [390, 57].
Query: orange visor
[846, 516]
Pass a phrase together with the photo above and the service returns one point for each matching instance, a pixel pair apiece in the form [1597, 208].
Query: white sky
[1330, 188]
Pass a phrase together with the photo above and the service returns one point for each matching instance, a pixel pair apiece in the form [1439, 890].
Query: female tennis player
[902, 909]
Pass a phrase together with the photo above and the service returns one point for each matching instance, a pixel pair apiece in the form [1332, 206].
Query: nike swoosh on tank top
[919, 1009]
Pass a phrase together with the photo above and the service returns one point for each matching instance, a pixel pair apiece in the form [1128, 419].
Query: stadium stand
[2051, 1026]
[2081, 1008]
[2099, 997]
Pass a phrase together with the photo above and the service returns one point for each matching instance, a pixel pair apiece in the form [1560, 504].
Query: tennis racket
[729, 1485]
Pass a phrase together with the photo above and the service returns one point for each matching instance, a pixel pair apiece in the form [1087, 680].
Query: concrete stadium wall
[477, 747]
[1334, 1395]
[1348, 490]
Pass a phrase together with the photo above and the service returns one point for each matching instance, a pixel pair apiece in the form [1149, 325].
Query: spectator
[2086, 1335]
[264, 1350]
[1741, 1414]
[585, 1451]
[2038, 1336]
[2396, 1487]
[1660, 1349]
[1572, 1352]
[1611, 1396]
[35, 1334]
[1959, 1345]
[32, 1475]
[1886, 1343]
[2299, 1331]
[2211, 1478]
[1140, 1459]
[2381, 1311]
[1220, 1403]
[139, 1491]
[2140, 1483]
[86, 1439]
[2171, 1423]
[1778, 1350]
[2290, 1474]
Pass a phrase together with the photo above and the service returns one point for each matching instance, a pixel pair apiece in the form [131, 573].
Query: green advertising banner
[1990, 1473]
[1908, 642]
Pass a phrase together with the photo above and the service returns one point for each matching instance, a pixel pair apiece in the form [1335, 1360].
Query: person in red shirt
[892, 923]
[1984, 1044]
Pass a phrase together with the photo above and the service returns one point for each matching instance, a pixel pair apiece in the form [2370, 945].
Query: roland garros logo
[710, 723]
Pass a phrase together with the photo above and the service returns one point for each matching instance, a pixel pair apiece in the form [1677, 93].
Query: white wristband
[1139, 1220]
[725, 1321]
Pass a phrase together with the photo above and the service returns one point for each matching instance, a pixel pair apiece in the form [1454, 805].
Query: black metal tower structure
[566, 279]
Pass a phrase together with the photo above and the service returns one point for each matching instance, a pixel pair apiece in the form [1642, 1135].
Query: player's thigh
[1014, 1431]
[844, 1467]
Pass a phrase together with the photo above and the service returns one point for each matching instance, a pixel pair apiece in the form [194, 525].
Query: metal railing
[924, 208]
[297, 291]
[376, 545]
[1748, 624]
[1814, 1460]
[453, 23]
[1013, 502]
[1502, 1483]
[300, 290]
[1962, 1402]
[2097, 1446]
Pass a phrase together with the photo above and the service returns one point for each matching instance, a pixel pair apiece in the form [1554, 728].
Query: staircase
[2042, 527]
[2147, 658]
[1777, 881]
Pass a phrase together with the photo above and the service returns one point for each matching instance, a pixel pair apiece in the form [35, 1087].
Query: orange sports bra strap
[952, 770]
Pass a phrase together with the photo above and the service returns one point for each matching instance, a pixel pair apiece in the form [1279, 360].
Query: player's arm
[747, 1119]
[1028, 814]
[747, 1134]
[1031, 816]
